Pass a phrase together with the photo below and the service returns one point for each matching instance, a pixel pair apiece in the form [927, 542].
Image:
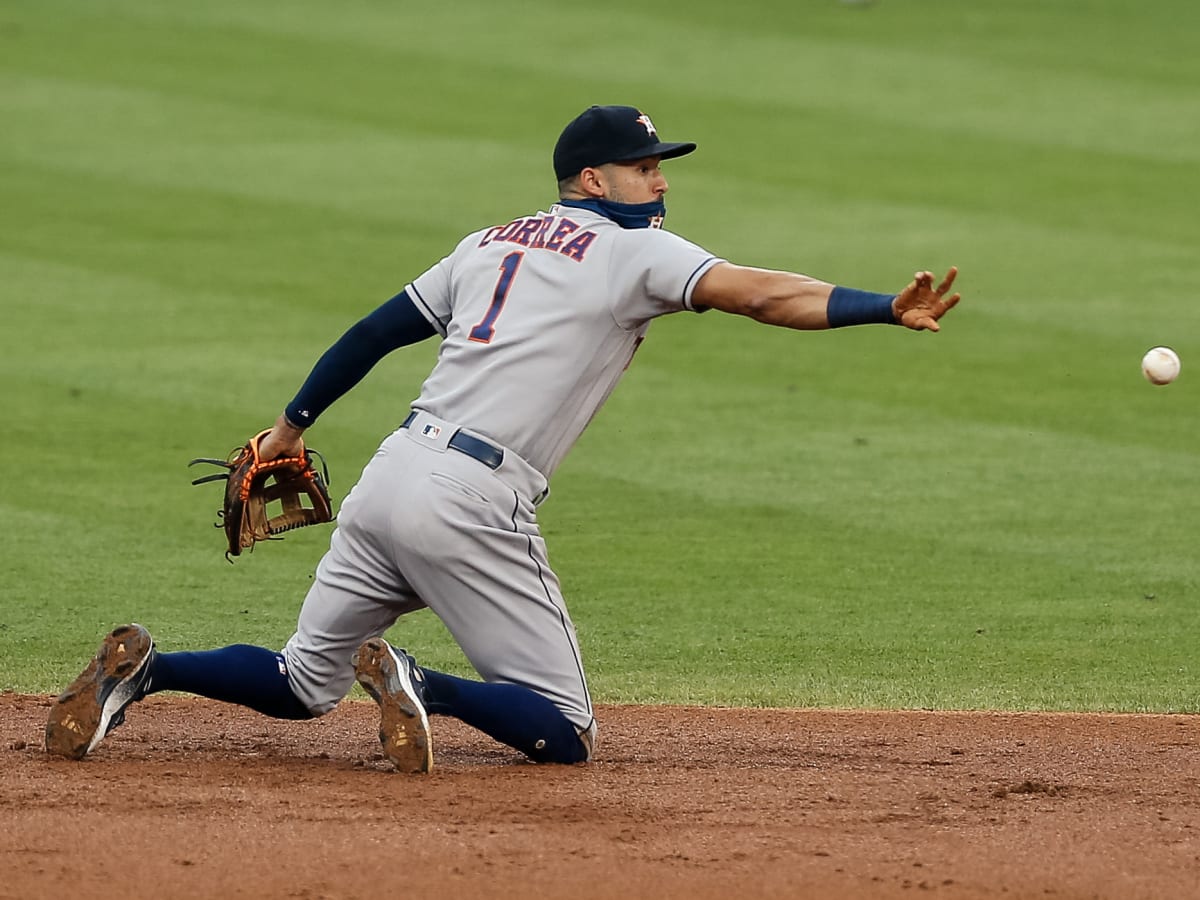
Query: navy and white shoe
[394, 681]
[95, 702]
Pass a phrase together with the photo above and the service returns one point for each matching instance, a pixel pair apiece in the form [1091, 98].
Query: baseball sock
[249, 676]
[513, 715]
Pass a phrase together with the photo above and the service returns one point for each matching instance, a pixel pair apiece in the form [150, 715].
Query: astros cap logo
[644, 119]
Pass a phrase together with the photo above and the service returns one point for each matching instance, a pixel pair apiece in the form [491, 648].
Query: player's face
[639, 181]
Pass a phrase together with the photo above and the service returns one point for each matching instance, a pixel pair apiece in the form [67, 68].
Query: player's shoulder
[656, 234]
[655, 241]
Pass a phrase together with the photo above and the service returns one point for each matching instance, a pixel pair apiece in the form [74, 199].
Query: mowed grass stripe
[321, 175]
[1030, 175]
[846, 50]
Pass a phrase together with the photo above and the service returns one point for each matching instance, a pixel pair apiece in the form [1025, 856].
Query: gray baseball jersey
[540, 317]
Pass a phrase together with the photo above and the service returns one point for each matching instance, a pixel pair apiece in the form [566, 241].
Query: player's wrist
[295, 417]
[849, 306]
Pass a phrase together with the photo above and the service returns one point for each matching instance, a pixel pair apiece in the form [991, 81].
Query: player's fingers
[929, 323]
[948, 280]
[275, 445]
[951, 302]
[921, 320]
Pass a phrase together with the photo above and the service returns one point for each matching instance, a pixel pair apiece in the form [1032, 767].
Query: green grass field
[195, 200]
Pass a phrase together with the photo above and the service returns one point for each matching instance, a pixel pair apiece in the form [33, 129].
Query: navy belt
[472, 446]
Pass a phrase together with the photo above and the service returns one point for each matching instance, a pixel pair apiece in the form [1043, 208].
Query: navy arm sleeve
[395, 324]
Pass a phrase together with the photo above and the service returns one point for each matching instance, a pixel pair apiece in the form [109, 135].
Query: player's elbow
[738, 290]
[761, 307]
[785, 299]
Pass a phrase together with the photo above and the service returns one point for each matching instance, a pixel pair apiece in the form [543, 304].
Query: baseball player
[538, 318]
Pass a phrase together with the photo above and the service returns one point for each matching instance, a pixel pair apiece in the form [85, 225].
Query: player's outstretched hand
[920, 305]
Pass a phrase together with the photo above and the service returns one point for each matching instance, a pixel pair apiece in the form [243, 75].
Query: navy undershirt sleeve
[395, 324]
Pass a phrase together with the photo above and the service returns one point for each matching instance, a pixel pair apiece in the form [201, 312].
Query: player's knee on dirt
[566, 751]
[564, 748]
[320, 680]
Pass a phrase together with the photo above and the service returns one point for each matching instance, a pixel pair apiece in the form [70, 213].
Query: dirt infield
[195, 799]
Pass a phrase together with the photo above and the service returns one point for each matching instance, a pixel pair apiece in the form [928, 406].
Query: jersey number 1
[486, 329]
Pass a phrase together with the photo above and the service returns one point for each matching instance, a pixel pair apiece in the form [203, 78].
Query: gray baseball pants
[429, 526]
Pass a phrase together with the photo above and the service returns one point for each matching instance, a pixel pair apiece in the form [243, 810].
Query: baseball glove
[292, 482]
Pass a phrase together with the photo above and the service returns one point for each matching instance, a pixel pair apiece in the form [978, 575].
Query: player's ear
[592, 182]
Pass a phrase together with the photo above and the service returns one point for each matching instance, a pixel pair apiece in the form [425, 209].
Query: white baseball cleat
[95, 702]
[392, 679]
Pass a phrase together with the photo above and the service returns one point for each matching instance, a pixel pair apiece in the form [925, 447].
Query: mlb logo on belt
[431, 431]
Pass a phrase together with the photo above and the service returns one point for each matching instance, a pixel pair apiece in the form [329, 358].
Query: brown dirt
[195, 799]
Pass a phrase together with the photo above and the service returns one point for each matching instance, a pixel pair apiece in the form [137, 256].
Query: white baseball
[1160, 365]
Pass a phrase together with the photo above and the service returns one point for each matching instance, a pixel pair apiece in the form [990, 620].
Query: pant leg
[430, 526]
[356, 594]
[469, 545]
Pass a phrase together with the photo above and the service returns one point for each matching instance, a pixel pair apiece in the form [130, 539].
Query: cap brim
[664, 150]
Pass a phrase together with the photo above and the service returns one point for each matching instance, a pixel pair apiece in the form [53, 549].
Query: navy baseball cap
[608, 134]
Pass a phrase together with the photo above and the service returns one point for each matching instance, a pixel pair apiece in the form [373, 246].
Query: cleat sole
[403, 725]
